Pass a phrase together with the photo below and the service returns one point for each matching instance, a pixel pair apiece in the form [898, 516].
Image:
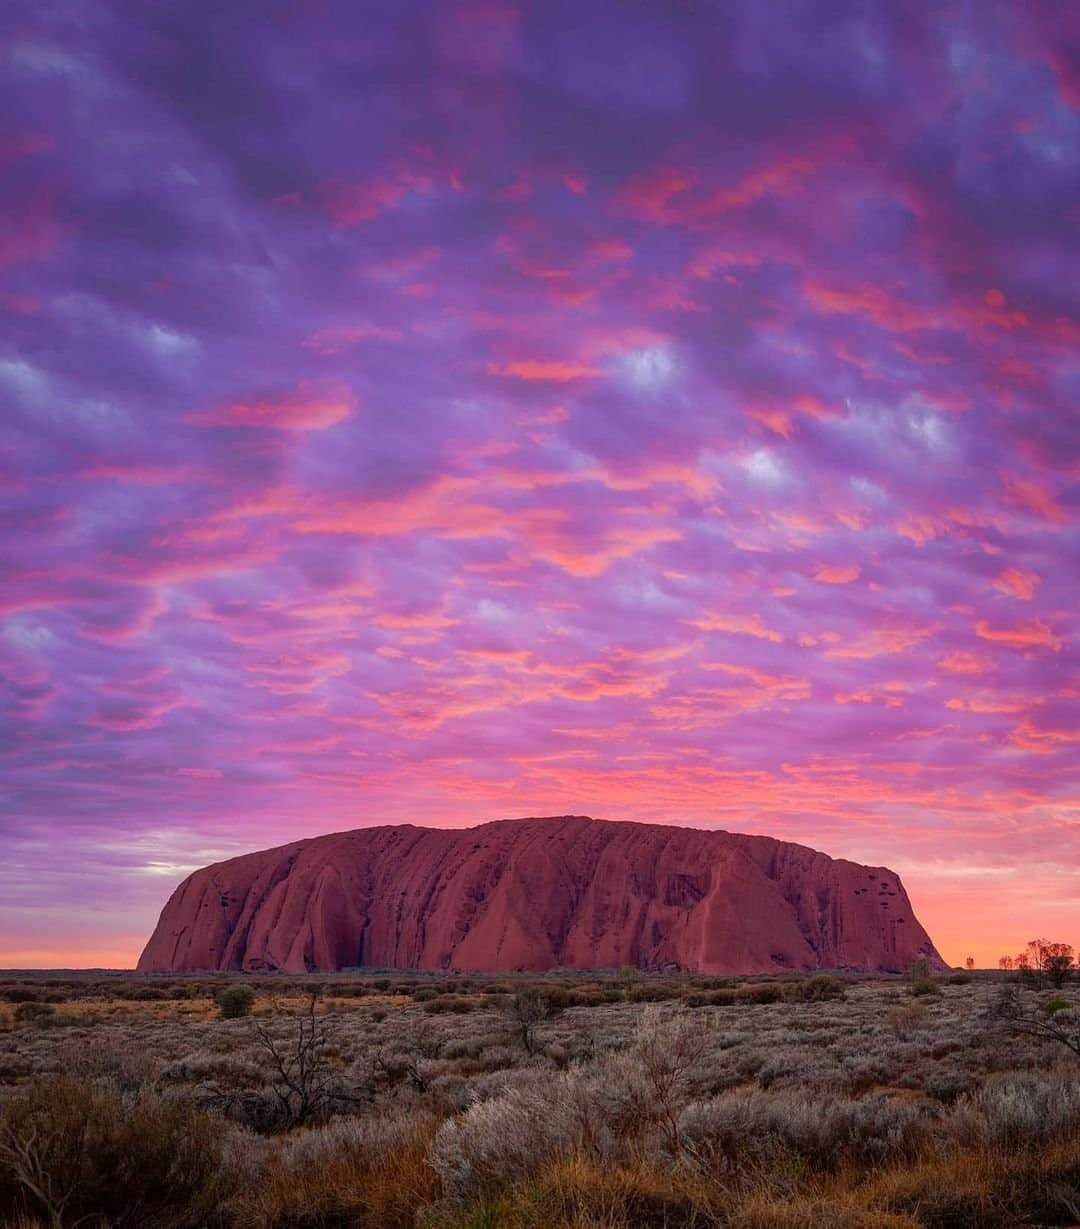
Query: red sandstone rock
[536, 894]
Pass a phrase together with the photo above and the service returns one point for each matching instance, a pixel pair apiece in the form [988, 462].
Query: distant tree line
[1044, 960]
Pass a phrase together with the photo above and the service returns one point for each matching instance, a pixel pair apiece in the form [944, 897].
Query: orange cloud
[1024, 636]
[778, 421]
[1042, 741]
[764, 181]
[919, 529]
[868, 696]
[661, 195]
[445, 507]
[651, 193]
[1035, 497]
[541, 369]
[550, 536]
[414, 620]
[809, 640]
[891, 313]
[352, 204]
[1018, 583]
[881, 641]
[814, 407]
[837, 574]
[302, 412]
[964, 663]
[738, 625]
[985, 703]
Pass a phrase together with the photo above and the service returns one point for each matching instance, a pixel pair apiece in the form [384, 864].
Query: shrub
[1020, 1110]
[454, 1004]
[739, 1129]
[816, 989]
[907, 1018]
[31, 1012]
[947, 1084]
[70, 1151]
[509, 1137]
[235, 1001]
[711, 998]
[649, 992]
[760, 992]
[923, 987]
[20, 994]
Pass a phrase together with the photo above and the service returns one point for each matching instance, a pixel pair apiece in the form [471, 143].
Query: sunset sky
[443, 412]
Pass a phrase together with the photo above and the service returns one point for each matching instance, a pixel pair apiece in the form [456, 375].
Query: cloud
[550, 370]
[1017, 583]
[738, 625]
[837, 574]
[1035, 497]
[301, 411]
[1032, 635]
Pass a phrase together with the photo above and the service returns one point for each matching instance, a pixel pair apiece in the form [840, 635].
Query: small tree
[920, 978]
[235, 1001]
[303, 1083]
[669, 1054]
[526, 1010]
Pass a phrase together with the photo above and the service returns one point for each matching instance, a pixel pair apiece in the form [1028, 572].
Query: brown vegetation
[568, 1102]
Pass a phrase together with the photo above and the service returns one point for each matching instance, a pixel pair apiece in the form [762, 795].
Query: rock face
[534, 894]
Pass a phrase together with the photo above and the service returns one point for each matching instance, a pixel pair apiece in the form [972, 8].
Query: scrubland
[578, 1101]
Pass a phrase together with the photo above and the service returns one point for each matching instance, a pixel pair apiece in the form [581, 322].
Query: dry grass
[652, 1103]
[361, 1187]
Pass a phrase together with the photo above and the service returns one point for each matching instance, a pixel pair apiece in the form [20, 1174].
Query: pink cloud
[962, 662]
[553, 370]
[302, 411]
[1034, 496]
[880, 642]
[739, 625]
[1033, 635]
[837, 574]
[1018, 583]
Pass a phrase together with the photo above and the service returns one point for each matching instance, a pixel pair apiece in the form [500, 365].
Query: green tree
[235, 1001]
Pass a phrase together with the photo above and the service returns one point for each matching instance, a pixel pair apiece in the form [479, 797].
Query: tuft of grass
[334, 1180]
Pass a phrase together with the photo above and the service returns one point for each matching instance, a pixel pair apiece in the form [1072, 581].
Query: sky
[435, 413]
